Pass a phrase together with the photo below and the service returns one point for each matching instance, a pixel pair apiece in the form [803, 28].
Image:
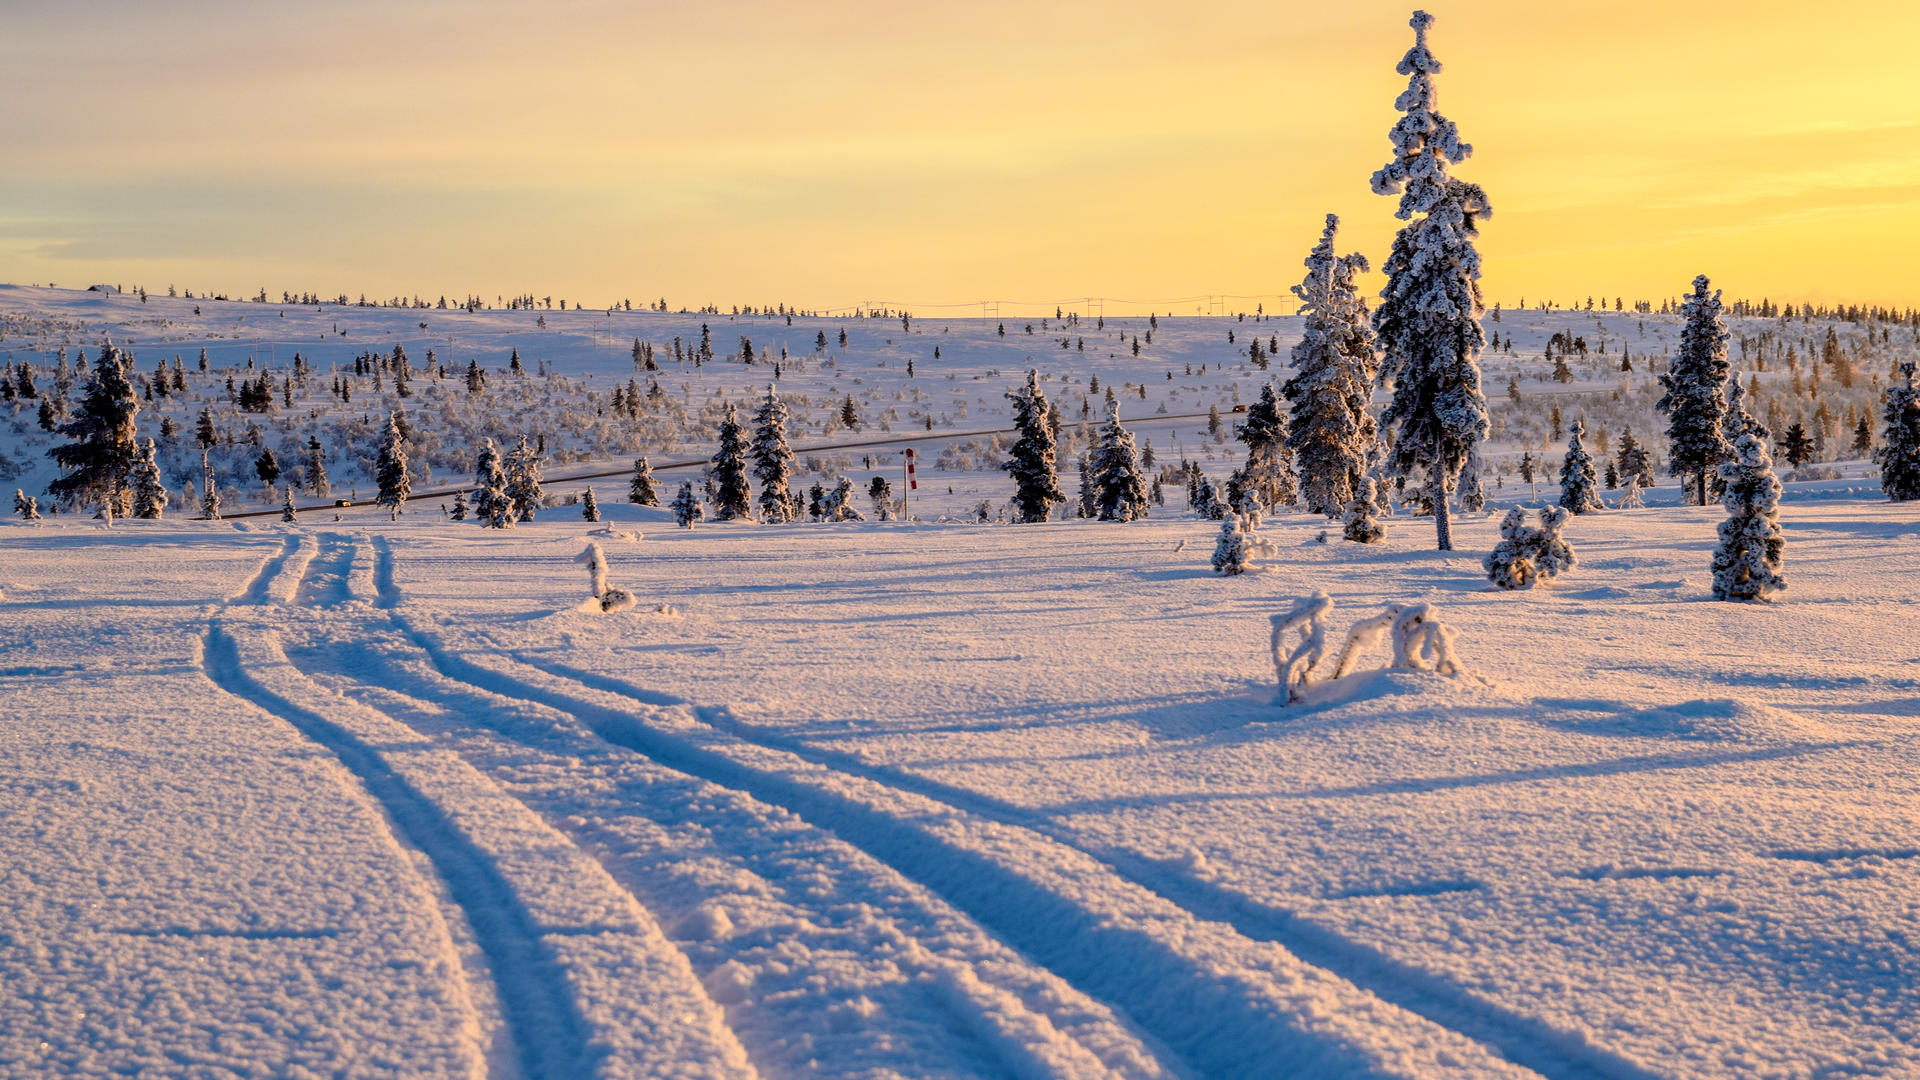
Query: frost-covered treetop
[1425, 142]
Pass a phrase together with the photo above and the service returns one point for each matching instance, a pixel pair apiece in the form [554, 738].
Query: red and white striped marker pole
[912, 483]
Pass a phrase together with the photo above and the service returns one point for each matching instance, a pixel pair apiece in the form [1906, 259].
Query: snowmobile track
[538, 1006]
[1218, 1022]
[1526, 1042]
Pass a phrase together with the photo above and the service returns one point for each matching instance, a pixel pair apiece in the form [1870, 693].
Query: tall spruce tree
[149, 492]
[773, 460]
[523, 480]
[1268, 473]
[99, 460]
[1120, 491]
[1899, 451]
[733, 497]
[390, 470]
[1579, 493]
[1695, 397]
[1330, 427]
[1031, 461]
[210, 485]
[641, 492]
[1428, 320]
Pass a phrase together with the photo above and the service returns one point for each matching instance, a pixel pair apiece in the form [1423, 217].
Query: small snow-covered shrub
[1526, 555]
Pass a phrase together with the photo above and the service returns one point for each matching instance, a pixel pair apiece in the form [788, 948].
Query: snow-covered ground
[948, 800]
[932, 799]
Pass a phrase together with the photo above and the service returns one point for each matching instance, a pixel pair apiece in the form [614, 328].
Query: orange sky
[847, 150]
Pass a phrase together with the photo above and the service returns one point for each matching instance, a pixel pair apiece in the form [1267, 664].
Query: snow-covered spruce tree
[1330, 427]
[640, 492]
[1899, 452]
[1552, 555]
[687, 507]
[1120, 491]
[1695, 383]
[1746, 566]
[1084, 502]
[733, 499]
[1579, 486]
[1036, 481]
[210, 500]
[390, 470]
[1268, 473]
[26, 505]
[589, 507]
[1473, 490]
[1428, 320]
[1362, 525]
[100, 458]
[881, 494]
[1510, 563]
[773, 460]
[1630, 498]
[523, 480]
[459, 511]
[489, 485]
[288, 513]
[317, 468]
[149, 492]
[1231, 552]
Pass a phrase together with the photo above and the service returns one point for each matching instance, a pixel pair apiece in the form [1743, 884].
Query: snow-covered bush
[1421, 642]
[1527, 555]
[611, 598]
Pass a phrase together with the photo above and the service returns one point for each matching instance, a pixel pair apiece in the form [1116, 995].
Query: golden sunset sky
[837, 152]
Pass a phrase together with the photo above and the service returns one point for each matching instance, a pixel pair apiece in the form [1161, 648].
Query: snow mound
[1397, 691]
[1713, 720]
[611, 533]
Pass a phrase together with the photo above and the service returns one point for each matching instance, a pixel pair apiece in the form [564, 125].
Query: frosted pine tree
[1330, 427]
[1899, 450]
[1473, 491]
[687, 507]
[1510, 563]
[1695, 397]
[1362, 525]
[523, 480]
[1036, 481]
[589, 506]
[1120, 491]
[733, 498]
[1746, 566]
[640, 492]
[1579, 484]
[1268, 473]
[1428, 321]
[489, 482]
[288, 513]
[317, 468]
[492, 505]
[99, 460]
[773, 460]
[26, 505]
[390, 470]
[1552, 555]
[459, 511]
[149, 492]
[210, 502]
[1231, 552]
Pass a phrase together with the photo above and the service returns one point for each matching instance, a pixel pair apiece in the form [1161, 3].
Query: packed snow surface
[921, 800]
